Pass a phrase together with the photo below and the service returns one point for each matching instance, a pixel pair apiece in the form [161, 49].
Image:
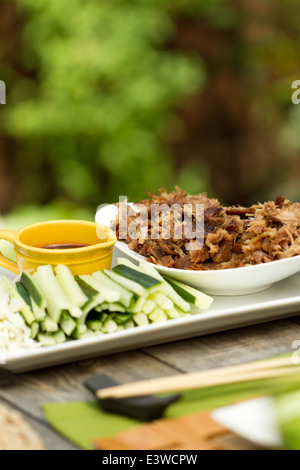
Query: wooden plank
[51, 439]
[295, 320]
[65, 383]
[230, 347]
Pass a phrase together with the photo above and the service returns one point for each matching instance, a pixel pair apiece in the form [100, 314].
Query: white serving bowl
[236, 281]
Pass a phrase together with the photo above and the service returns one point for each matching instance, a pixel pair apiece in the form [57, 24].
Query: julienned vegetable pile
[58, 306]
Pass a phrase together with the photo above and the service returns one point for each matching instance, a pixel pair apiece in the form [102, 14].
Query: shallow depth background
[116, 97]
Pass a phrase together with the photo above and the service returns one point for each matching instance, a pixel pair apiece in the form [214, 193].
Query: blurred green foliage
[95, 101]
[96, 114]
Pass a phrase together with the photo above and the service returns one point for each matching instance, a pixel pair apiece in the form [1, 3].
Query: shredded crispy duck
[233, 236]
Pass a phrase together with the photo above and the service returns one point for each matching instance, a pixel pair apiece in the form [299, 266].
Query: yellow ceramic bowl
[28, 243]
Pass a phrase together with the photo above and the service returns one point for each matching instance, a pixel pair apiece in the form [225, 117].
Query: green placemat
[81, 422]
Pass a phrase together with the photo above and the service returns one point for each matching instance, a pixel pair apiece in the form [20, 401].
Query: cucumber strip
[49, 326]
[89, 306]
[138, 306]
[190, 294]
[94, 325]
[59, 337]
[153, 274]
[105, 316]
[38, 312]
[24, 294]
[67, 324]
[92, 315]
[90, 334]
[191, 299]
[57, 301]
[33, 289]
[141, 319]
[108, 294]
[87, 309]
[147, 282]
[90, 291]
[70, 287]
[116, 307]
[75, 312]
[102, 307]
[158, 316]
[96, 299]
[127, 283]
[177, 300]
[86, 288]
[129, 324]
[126, 296]
[174, 313]
[128, 263]
[79, 331]
[161, 300]
[149, 306]
[24, 310]
[113, 307]
[166, 288]
[46, 340]
[147, 268]
[109, 326]
[35, 328]
[121, 319]
[187, 293]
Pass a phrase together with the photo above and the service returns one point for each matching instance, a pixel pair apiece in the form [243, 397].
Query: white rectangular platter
[227, 312]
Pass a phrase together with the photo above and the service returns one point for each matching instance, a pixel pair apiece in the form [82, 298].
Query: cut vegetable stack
[58, 306]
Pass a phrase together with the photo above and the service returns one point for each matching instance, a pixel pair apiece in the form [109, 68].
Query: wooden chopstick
[243, 372]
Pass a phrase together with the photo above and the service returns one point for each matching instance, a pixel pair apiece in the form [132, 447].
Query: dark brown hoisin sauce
[63, 246]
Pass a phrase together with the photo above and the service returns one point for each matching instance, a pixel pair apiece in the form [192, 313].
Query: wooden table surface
[65, 383]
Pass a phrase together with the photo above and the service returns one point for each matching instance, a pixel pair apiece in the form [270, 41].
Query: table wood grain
[65, 383]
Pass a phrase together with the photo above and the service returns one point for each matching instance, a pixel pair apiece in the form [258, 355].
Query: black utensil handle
[146, 408]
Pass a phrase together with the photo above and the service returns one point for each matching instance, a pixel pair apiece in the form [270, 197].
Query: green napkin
[82, 422]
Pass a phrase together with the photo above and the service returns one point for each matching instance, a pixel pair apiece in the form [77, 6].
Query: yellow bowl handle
[8, 235]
